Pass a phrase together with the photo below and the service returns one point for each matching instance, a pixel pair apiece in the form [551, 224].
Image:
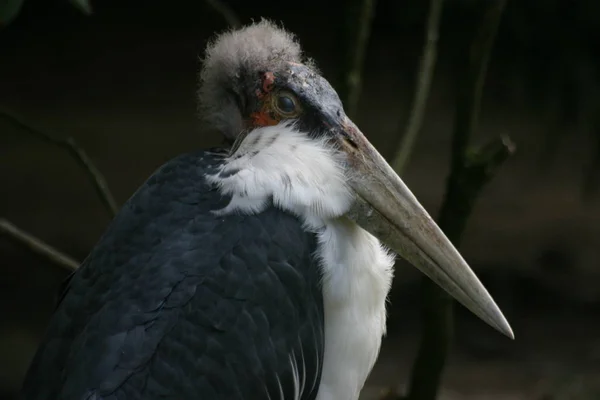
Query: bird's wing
[175, 302]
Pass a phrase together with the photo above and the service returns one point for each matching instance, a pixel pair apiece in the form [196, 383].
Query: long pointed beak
[387, 209]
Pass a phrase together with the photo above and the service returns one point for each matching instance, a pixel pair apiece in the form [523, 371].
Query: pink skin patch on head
[268, 81]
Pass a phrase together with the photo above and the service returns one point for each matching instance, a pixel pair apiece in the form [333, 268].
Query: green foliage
[9, 9]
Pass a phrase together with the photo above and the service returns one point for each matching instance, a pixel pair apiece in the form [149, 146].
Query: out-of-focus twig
[470, 171]
[470, 86]
[356, 32]
[37, 246]
[69, 144]
[478, 168]
[9, 9]
[421, 92]
[85, 6]
[226, 12]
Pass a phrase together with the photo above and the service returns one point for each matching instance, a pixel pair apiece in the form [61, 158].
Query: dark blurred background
[123, 81]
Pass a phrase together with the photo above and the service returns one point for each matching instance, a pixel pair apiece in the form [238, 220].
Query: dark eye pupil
[286, 104]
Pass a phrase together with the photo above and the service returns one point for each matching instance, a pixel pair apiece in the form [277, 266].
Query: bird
[259, 269]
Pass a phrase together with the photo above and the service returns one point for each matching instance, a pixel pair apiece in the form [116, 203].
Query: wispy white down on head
[257, 47]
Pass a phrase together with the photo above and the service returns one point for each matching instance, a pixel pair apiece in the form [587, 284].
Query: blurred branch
[470, 171]
[37, 246]
[357, 29]
[85, 6]
[464, 186]
[421, 93]
[77, 153]
[226, 12]
[470, 86]
[9, 9]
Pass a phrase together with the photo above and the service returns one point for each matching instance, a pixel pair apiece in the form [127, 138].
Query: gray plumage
[178, 303]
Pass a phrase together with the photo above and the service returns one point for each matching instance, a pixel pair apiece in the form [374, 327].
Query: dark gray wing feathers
[177, 303]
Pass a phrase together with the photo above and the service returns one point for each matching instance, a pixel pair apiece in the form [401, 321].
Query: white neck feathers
[305, 176]
[299, 174]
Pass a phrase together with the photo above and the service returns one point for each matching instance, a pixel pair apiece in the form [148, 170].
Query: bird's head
[294, 145]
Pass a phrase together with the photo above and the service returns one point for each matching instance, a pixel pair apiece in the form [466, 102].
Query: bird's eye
[286, 105]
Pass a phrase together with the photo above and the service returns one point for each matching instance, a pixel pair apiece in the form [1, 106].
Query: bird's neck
[283, 167]
[357, 275]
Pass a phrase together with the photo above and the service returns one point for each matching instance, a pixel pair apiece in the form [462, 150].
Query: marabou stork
[256, 271]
